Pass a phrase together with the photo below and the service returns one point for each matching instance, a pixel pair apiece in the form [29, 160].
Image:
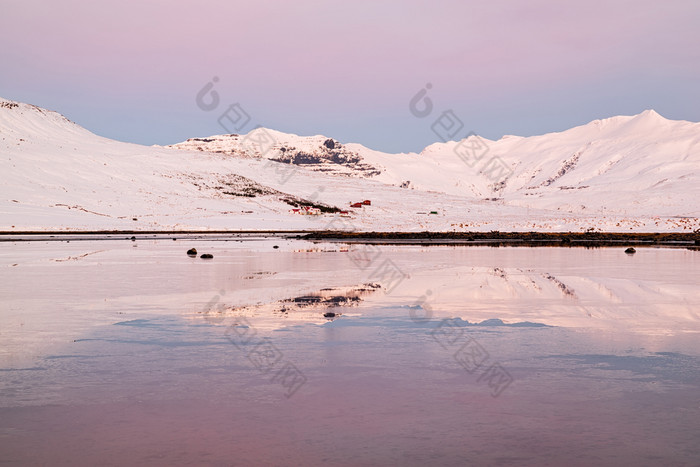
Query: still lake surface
[117, 352]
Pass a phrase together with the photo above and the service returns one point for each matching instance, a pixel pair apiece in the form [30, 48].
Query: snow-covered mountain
[639, 161]
[620, 174]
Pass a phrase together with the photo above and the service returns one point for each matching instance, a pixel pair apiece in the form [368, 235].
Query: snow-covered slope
[645, 163]
[59, 175]
[624, 173]
[635, 165]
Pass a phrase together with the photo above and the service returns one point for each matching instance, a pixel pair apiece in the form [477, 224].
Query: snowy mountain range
[625, 173]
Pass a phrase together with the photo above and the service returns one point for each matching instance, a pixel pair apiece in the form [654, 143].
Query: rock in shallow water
[192, 252]
[630, 251]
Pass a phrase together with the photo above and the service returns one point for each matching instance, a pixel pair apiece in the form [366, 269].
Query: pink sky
[131, 70]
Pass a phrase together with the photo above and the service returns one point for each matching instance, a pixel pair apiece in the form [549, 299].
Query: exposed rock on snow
[315, 152]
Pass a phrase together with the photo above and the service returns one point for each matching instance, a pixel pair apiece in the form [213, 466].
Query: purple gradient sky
[130, 70]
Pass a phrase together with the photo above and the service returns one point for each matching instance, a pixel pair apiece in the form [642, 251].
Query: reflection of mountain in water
[316, 306]
[561, 296]
[494, 322]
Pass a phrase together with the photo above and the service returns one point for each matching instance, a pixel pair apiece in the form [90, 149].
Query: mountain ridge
[646, 116]
[640, 172]
[608, 146]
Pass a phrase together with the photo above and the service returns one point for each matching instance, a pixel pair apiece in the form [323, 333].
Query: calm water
[132, 353]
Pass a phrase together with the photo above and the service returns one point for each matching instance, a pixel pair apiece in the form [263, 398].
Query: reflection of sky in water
[112, 357]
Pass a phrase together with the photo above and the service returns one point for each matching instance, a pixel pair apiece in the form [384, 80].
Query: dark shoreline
[493, 238]
[527, 239]
[7, 233]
